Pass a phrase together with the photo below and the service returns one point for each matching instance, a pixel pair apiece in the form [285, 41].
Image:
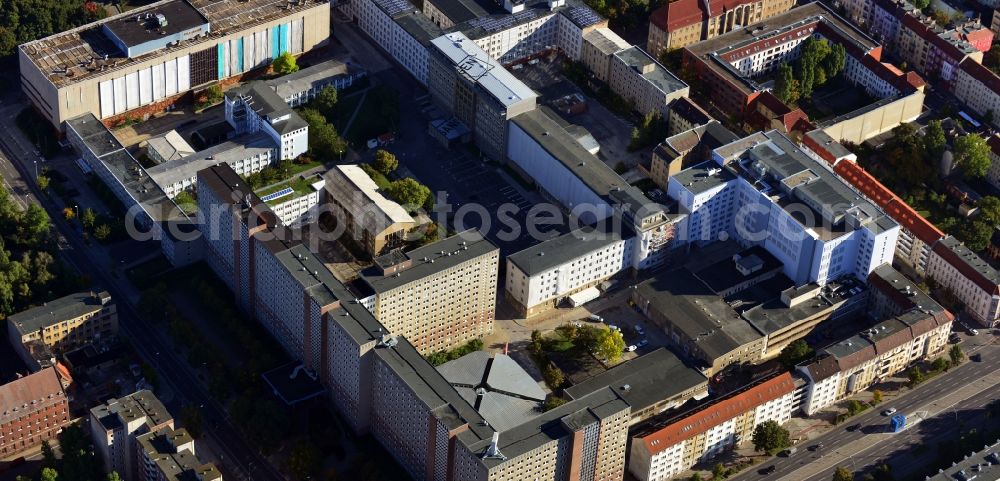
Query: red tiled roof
[904, 82]
[718, 413]
[980, 39]
[900, 211]
[677, 14]
[38, 391]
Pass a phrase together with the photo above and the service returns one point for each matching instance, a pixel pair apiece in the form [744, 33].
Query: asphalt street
[872, 443]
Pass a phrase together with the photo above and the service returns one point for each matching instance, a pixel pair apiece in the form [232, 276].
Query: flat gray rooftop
[659, 76]
[651, 378]
[480, 68]
[560, 144]
[230, 151]
[180, 16]
[698, 312]
[562, 249]
[67, 307]
[428, 260]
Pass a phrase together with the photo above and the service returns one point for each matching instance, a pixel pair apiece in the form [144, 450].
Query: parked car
[790, 451]
[639, 330]
[768, 470]
[816, 447]
[595, 318]
[631, 348]
[974, 332]
[889, 412]
[614, 327]
[642, 343]
[854, 427]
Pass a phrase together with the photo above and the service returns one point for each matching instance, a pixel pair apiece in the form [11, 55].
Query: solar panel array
[277, 195]
[583, 16]
[394, 7]
[500, 23]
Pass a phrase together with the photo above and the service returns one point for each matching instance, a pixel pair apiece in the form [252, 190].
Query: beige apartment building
[640, 79]
[368, 217]
[64, 324]
[599, 46]
[437, 296]
[683, 22]
[139, 62]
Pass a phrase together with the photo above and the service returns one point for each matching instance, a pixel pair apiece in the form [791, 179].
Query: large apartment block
[33, 409]
[764, 190]
[116, 425]
[141, 61]
[969, 278]
[908, 327]
[437, 296]
[465, 81]
[377, 378]
[683, 22]
[169, 455]
[670, 446]
[58, 326]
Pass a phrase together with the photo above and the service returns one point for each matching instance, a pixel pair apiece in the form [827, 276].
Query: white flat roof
[482, 69]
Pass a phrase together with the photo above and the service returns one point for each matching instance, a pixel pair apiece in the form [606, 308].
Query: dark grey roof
[704, 177]
[499, 389]
[983, 465]
[419, 26]
[180, 15]
[429, 260]
[651, 378]
[687, 109]
[560, 144]
[766, 311]
[971, 259]
[132, 407]
[557, 251]
[722, 275]
[67, 307]
[292, 383]
[267, 103]
[698, 312]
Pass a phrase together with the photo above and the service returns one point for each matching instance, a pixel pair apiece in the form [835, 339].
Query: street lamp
[36, 169]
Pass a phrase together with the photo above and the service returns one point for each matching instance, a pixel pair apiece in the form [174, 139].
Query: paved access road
[950, 397]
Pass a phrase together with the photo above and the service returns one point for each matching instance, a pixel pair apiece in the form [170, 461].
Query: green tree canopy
[794, 353]
[285, 64]
[324, 141]
[842, 474]
[326, 101]
[385, 162]
[409, 193]
[611, 345]
[975, 234]
[770, 437]
[972, 154]
[955, 354]
[934, 140]
[989, 209]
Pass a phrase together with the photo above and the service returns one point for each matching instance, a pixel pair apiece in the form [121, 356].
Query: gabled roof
[969, 264]
[30, 393]
[692, 424]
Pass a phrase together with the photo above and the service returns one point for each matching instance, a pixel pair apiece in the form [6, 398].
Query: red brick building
[32, 409]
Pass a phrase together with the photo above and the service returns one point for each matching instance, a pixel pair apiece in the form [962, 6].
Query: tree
[794, 353]
[876, 396]
[553, 401]
[972, 154]
[326, 101]
[975, 234]
[48, 456]
[305, 460]
[385, 162]
[842, 474]
[68, 213]
[696, 477]
[989, 209]
[88, 218]
[49, 474]
[113, 476]
[940, 364]
[784, 84]
[934, 139]
[213, 94]
[43, 182]
[324, 141]
[916, 376]
[410, 193]
[553, 376]
[718, 472]
[611, 345]
[102, 232]
[955, 354]
[191, 419]
[854, 407]
[770, 437]
[285, 64]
